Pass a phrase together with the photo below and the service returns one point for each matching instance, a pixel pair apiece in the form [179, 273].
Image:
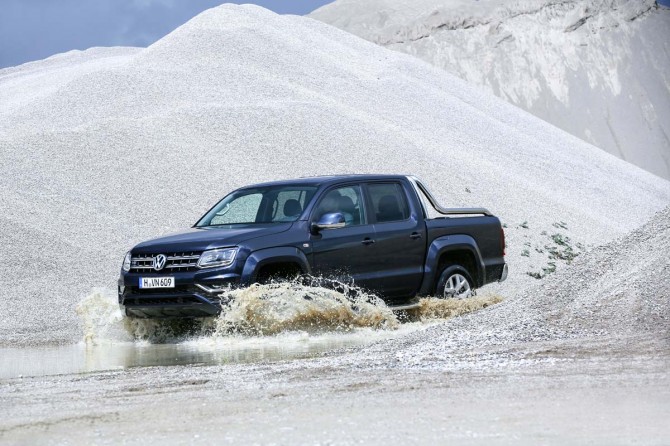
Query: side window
[289, 204]
[346, 200]
[241, 210]
[388, 202]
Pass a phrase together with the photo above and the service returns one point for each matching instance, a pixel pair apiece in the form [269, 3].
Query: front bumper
[196, 294]
[169, 305]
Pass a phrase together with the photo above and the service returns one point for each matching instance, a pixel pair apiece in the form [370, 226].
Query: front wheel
[455, 282]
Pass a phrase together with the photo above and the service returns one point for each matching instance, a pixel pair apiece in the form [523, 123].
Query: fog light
[213, 288]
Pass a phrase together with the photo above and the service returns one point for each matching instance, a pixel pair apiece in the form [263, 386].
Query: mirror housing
[334, 220]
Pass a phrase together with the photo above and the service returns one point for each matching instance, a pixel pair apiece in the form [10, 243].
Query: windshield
[261, 205]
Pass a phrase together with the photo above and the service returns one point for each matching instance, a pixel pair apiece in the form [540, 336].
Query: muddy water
[263, 323]
[87, 357]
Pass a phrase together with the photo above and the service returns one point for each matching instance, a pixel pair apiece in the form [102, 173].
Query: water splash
[102, 322]
[271, 309]
[433, 308]
[268, 310]
[100, 317]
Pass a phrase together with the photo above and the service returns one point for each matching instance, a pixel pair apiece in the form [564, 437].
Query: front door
[345, 254]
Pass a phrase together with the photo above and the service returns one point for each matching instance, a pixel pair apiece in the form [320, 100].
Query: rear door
[346, 253]
[400, 239]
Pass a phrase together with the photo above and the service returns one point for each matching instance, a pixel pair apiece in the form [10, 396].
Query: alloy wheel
[457, 286]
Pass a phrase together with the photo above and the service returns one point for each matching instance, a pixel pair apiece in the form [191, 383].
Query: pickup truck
[374, 231]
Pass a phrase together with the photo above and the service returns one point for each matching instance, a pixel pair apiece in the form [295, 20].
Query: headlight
[217, 257]
[126, 262]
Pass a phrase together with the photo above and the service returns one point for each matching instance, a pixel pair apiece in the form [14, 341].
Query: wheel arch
[460, 249]
[285, 255]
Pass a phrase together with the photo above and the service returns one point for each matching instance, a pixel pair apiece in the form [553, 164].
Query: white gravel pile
[612, 298]
[597, 69]
[102, 149]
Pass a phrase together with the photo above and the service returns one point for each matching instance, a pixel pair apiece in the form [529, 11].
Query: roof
[328, 179]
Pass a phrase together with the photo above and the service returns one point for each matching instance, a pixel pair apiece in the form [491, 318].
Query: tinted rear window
[388, 202]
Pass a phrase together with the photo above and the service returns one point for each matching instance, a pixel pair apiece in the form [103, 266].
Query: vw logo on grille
[158, 262]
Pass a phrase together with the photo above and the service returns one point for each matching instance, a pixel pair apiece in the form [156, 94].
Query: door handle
[367, 241]
[415, 235]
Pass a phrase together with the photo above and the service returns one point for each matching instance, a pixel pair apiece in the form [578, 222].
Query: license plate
[156, 282]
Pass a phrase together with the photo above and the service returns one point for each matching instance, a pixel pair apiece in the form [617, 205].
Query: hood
[202, 239]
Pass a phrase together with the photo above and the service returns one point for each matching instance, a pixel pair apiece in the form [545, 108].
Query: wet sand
[595, 399]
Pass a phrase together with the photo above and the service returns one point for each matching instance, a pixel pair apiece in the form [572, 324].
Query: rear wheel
[455, 282]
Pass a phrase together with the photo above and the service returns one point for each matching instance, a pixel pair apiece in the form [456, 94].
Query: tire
[278, 272]
[454, 282]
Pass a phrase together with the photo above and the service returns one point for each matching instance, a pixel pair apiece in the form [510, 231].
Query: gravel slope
[597, 69]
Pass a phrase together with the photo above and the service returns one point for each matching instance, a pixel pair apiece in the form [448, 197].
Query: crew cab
[383, 233]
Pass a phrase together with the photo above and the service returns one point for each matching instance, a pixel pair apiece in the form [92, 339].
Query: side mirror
[333, 220]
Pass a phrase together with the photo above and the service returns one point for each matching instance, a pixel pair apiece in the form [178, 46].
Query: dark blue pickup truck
[373, 230]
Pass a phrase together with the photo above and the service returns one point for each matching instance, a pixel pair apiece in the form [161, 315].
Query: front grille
[176, 262]
[167, 300]
[153, 296]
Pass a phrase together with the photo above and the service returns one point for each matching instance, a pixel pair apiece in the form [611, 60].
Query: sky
[35, 29]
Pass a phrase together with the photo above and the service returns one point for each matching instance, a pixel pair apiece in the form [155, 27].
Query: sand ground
[553, 398]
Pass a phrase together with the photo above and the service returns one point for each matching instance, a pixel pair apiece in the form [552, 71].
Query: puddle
[85, 358]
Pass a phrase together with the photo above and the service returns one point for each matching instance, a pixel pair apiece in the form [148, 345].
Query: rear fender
[444, 245]
[262, 257]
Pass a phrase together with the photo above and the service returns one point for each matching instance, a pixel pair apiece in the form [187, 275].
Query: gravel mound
[613, 298]
[104, 148]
